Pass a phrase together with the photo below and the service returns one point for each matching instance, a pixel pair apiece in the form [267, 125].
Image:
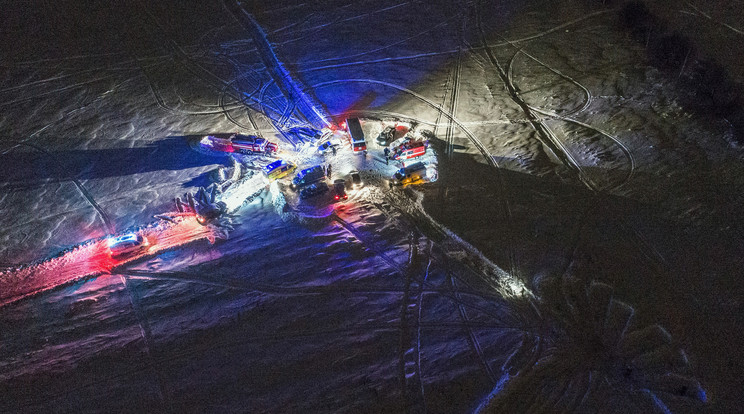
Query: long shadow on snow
[546, 229]
[22, 168]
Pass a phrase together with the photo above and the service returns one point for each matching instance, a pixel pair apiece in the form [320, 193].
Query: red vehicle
[244, 144]
[356, 135]
[249, 144]
[410, 149]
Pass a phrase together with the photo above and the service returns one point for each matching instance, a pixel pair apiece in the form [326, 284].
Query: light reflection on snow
[242, 190]
[94, 258]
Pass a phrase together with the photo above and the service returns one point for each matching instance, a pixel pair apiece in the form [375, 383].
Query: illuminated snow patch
[93, 258]
[243, 190]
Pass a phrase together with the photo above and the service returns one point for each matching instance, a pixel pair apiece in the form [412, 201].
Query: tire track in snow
[409, 352]
[209, 78]
[248, 285]
[443, 188]
[567, 118]
[436, 26]
[178, 54]
[229, 117]
[546, 136]
[545, 133]
[707, 16]
[108, 225]
[588, 98]
[370, 244]
[327, 24]
[454, 51]
[62, 89]
[450, 132]
[472, 337]
[164, 389]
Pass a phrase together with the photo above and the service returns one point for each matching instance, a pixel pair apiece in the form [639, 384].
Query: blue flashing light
[130, 237]
[274, 165]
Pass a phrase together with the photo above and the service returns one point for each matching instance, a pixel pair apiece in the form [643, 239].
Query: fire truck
[409, 149]
[244, 144]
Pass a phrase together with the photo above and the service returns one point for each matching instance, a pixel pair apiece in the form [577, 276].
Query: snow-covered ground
[580, 251]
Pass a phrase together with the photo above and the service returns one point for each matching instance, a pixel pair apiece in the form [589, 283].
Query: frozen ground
[581, 251]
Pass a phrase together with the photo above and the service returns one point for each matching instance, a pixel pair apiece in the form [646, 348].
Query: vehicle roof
[415, 166]
[321, 185]
[125, 238]
[248, 139]
[244, 136]
[130, 236]
[222, 135]
[399, 141]
[275, 164]
[412, 144]
[355, 128]
[307, 170]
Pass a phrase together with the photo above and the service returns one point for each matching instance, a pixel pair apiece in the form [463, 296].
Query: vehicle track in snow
[322, 26]
[510, 76]
[172, 353]
[450, 130]
[544, 132]
[60, 77]
[242, 102]
[248, 285]
[229, 117]
[181, 56]
[108, 225]
[374, 247]
[310, 111]
[455, 294]
[546, 136]
[396, 43]
[221, 86]
[472, 337]
[409, 351]
[443, 187]
[286, 114]
[164, 390]
[567, 118]
[93, 258]
[58, 90]
[452, 51]
[656, 259]
[409, 365]
[699, 12]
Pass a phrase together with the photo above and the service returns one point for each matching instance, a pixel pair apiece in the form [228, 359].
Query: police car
[127, 244]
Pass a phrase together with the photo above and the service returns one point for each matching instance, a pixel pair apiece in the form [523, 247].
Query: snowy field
[581, 250]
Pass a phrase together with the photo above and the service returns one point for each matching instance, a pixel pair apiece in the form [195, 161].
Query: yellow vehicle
[412, 174]
[279, 169]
